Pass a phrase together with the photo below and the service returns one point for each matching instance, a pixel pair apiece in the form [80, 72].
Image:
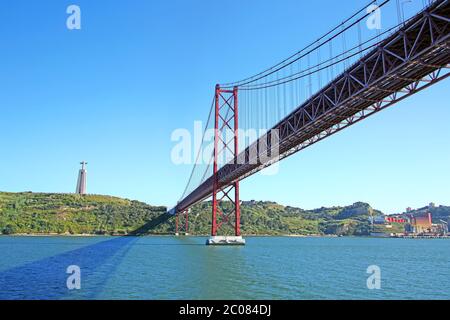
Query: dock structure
[425, 237]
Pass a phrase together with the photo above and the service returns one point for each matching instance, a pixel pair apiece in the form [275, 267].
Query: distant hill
[42, 213]
[269, 218]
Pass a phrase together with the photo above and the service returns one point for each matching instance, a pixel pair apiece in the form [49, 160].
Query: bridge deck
[420, 48]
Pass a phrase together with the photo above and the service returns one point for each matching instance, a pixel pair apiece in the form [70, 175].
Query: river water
[184, 268]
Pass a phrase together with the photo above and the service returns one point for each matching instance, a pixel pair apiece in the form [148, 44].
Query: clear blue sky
[113, 92]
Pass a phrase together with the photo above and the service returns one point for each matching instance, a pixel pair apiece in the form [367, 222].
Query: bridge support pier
[226, 149]
[226, 241]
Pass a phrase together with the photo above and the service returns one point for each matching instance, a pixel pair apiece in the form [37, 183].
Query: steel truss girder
[400, 63]
[411, 89]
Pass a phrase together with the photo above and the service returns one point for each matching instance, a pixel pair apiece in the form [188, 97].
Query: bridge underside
[414, 58]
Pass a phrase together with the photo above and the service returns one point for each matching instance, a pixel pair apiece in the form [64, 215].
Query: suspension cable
[199, 150]
[287, 62]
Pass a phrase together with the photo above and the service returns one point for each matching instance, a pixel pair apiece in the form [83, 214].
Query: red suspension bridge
[348, 74]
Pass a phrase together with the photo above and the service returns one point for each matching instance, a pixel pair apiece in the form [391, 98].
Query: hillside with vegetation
[40, 213]
[70, 214]
[269, 218]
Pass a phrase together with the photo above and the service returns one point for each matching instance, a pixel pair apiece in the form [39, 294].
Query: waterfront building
[422, 223]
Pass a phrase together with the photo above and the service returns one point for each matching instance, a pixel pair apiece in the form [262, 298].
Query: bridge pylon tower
[182, 227]
[226, 148]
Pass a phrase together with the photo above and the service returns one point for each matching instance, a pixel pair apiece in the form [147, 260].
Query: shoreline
[54, 235]
[89, 235]
[165, 235]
